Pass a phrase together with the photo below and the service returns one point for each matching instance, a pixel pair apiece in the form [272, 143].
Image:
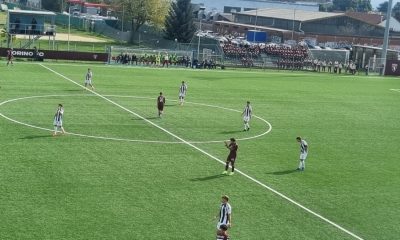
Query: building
[34, 4]
[360, 28]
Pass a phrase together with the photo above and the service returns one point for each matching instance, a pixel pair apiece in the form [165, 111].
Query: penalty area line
[211, 156]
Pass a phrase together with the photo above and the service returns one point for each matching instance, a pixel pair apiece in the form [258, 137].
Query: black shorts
[231, 159]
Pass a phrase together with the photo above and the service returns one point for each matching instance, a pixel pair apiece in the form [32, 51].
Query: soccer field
[123, 173]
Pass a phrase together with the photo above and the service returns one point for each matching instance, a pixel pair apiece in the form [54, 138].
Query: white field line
[396, 90]
[213, 157]
[126, 139]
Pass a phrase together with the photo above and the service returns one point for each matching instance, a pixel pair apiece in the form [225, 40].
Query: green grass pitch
[150, 185]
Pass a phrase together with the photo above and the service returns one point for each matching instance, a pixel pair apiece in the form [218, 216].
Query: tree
[139, 12]
[352, 5]
[383, 7]
[179, 22]
[395, 10]
[52, 5]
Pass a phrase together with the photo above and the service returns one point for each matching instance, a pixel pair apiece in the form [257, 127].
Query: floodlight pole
[123, 16]
[69, 23]
[386, 36]
[198, 43]
[255, 25]
[294, 17]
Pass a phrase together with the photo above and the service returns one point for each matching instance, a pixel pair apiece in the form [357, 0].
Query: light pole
[123, 16]
[140, 35]
[69, 23]
[255, 25]
[198, 43]
[386, 37]
[294, 17]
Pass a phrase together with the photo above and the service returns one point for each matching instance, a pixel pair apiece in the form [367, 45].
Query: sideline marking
[126, 139]
[396, 90]
[211, 156]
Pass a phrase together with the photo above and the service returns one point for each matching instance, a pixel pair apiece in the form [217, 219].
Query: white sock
[248, 125]
[301, 164]
[245, 126]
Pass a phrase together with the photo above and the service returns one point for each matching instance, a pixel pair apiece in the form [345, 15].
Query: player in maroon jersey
[10, 56]
[233, 147]
[160, 104]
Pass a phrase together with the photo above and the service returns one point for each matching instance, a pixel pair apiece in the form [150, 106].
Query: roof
[371, 18]
[252, 26]
[394, 24]
[87, 4]
[372, 47]
[290, 14]
[43, 13]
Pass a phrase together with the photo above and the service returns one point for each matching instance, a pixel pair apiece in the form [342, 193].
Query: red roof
[101, 5]
[86, 4]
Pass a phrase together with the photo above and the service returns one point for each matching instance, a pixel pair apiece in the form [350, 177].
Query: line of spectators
[234, 50]
[157, 60]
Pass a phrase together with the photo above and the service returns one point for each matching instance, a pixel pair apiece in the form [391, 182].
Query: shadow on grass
[37, 136]
[74, 90]
[283, 172]
[208, 178]
[230, 132]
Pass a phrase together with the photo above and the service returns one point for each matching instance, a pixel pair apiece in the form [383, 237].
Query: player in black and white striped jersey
[88, 79]
[58, 119]
[247, 113]
[225, 212]
[182, 92]
[303, 153]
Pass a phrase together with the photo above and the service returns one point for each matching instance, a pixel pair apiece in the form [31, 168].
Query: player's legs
[246, 121]
[62, 129]
[55, 130]
[226, 167]
[302, 163]
[232, 166]
[160, 111]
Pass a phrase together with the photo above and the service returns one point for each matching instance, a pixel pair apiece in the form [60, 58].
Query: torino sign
[60, 55]
[27, 53]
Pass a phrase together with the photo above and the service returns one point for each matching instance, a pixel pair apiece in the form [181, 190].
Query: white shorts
[246, 118]
[88, 81]
[181, 95]
[57, 123]
[303, 156]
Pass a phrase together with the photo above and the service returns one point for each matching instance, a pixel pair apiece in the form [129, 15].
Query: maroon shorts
[160, 107]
